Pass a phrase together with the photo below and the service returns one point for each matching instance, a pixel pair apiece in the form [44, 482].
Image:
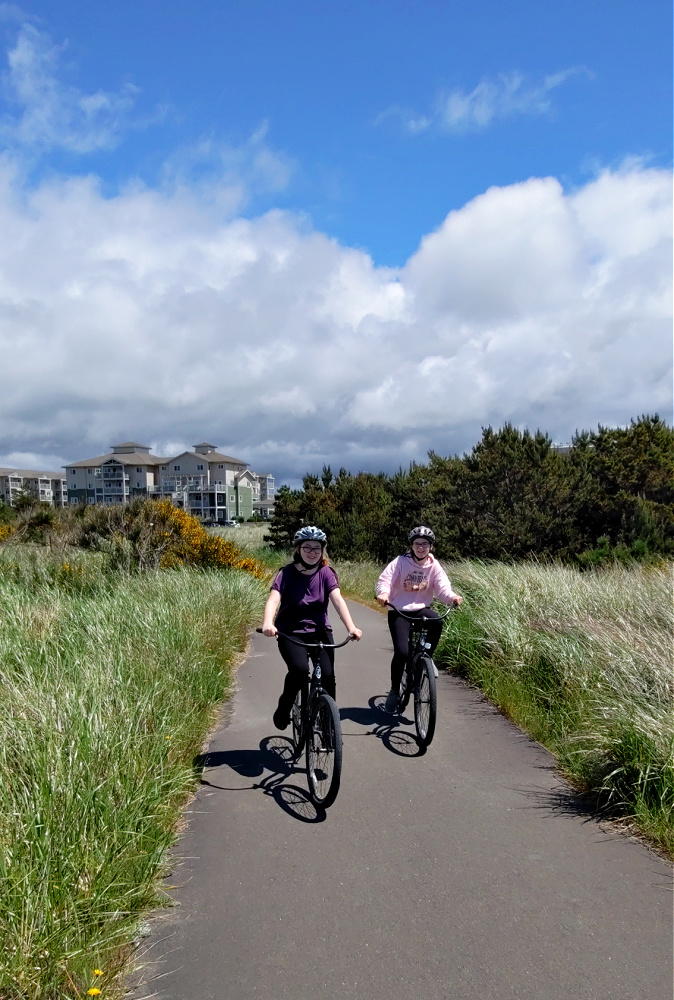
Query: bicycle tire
[297, 726]
[324, 751]
[425, 700]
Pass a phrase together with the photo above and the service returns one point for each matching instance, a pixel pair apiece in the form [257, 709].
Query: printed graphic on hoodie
[416, 579]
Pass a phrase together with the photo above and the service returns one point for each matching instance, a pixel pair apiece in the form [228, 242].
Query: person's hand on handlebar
[455, 601]
[355, 634]
[382, 599]
[269, 630]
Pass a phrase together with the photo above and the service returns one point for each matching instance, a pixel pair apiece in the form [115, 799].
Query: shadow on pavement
[385, 727]
[272, 763]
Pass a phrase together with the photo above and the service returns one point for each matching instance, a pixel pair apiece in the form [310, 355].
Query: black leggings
[297, 661]
[400, 633]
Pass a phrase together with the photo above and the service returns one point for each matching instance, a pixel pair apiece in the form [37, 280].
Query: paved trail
[466, 873]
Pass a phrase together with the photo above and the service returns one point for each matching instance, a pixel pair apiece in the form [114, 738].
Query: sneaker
[280, 719]
[391, 702]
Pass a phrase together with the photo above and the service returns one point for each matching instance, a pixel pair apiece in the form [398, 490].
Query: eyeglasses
[418, 542]
[312, 549]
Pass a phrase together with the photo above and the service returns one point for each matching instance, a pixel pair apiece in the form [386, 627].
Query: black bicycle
[316, 726]
[418, 678]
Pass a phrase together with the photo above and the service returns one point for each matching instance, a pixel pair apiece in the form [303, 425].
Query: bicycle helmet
[310, 533]
[421, 532]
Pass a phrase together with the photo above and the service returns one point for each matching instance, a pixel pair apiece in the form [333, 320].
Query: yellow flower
[93, 992]
[98, 972]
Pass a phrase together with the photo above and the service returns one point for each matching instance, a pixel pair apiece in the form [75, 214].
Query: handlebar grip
[259, 630]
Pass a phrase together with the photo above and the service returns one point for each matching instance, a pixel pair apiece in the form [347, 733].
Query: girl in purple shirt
[300, 594]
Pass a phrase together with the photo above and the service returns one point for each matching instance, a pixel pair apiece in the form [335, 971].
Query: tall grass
[249, 537]
[580, 660]
[107, 687]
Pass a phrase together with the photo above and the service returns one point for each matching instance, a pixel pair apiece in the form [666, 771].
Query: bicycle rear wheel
[324, 751]
[297, 727]
[425, 700]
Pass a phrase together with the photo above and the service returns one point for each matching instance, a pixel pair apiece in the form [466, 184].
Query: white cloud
[156, 316]
[505, 96]
[229, 175]
[50, 113]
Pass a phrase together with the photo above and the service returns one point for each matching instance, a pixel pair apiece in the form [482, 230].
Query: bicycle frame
[417, 641]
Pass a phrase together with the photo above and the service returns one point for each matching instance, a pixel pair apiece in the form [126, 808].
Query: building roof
[129, 444]
[145, 458]
[32, 474]
[215, 456]
[212, 456]
[125, 458]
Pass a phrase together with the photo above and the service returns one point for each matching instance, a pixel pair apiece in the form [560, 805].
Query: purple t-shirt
[304, 599]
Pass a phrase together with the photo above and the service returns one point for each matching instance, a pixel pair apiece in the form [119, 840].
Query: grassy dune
[581, 661]
[108, 685]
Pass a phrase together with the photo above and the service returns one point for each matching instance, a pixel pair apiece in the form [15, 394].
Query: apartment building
[211, 485]
[47, 487]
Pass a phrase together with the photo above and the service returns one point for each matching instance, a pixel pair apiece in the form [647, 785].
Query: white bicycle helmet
[310, 533]
[421, 532]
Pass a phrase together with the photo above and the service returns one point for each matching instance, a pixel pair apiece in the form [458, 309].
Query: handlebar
[408, 618]
[310, 645]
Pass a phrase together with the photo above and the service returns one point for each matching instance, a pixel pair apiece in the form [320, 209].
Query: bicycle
[317, 727]
[418, 678]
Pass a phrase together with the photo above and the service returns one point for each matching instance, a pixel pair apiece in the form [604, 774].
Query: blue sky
[335, 84]
[364, 126]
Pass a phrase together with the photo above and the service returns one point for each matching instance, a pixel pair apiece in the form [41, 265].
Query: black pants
[299, 666]
[400, 633]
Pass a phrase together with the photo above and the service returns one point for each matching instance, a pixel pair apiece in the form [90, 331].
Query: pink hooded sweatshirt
[410, 586]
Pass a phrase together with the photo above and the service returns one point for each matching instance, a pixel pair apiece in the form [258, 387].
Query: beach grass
[108, 686]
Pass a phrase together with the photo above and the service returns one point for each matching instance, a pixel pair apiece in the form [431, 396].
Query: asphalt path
[467, 872]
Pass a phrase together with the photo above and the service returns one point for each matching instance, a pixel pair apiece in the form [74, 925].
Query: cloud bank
[157, 317]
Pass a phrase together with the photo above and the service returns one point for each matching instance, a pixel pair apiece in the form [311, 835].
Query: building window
[200, 468]
[176, 468]
[221, 466]
[139, 470]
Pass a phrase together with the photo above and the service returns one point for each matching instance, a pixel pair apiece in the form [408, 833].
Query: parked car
[231, 524]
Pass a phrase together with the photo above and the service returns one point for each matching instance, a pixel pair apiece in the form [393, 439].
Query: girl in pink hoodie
[410, 583]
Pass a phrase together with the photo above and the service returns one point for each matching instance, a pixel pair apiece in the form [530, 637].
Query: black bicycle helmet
[310, 533]
[421, 532]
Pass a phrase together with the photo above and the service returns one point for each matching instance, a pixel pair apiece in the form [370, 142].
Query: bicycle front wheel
[297, 727]
[425, 700]
[324, 751]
